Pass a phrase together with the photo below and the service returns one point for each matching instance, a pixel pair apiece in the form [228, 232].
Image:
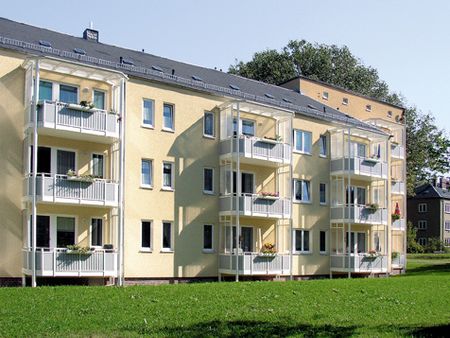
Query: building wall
[433, 216]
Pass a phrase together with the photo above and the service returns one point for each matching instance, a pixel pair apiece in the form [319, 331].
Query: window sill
[298, 152]
[324, 253]
[147, 126]
[324, 204]
[302, 202]
[146, 187]
[210, 137]
[143, 250]
[208, 251]
[323, 156]
[209, 193]
[166, 251]
[167, 189]
[306, 253]
[168, 130]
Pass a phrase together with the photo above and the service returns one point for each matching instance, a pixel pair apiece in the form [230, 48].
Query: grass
[413, 305]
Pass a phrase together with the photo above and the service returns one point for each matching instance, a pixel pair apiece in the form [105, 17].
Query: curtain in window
[308, 142]
[209, 124]
[97, 165]
[167, 235]
[299, 140]
[323, 145]
[305, 190]
[298, 190]
[148, 112]
[168, 116]
[65, 162]
[146, 172]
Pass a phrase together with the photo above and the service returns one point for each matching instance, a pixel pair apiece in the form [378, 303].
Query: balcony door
[358, 242]
[51, 161]
[247, 183]
[357, 196]
[246, 239]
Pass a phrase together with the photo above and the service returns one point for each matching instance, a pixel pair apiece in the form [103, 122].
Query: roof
[323, 83]
[25, 38]
[428, 190]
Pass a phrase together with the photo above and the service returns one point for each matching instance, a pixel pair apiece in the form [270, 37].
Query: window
[423, 207]
[208, 124]
[167, 236]
[65, 231]
[146, 235]
[45, 90]
[422, 241]
[358, 149]
[303, 141]
[167, 176]
[97, 166]
[68, 94]
[247, 183]
[247, 127]
[146, 173]
[148, 113]
[323, 145]
[447, 208]
[65, 161]
[208, 180]
[389, 114]
[447, 225]
[97, 232]
[168, 117]
[323, 193]
[208, 238]
[302, 191]
[99, 99]
[357, 196]
[422, 225]
[323, 242]
[301, 241]
[325, 95]
[345, 101]
[368, 107]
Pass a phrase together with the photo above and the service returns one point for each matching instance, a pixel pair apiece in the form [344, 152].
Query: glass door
[358, 245]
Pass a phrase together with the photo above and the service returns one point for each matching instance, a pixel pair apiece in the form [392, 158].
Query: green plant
[268, 248]
[87, 104]
[395, 217]
[395, 254]
[373, 207]
[412, 245]
[71, 173]
[76, 249]
[434, 245]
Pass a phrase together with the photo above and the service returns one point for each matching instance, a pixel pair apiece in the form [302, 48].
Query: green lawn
[417, 304]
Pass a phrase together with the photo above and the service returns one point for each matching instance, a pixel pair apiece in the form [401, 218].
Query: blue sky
[407, 41]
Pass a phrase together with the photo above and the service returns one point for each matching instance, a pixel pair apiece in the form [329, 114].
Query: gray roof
[428, 190]
[25, 38]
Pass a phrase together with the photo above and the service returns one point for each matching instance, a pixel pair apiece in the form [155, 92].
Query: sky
[407, 41]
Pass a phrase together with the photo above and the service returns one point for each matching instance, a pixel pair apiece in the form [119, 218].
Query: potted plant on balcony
[87, 178]
[395, 217]
[78, 250]
[268, 250]
[372, 208]
[372, 254]
[395, 255]
[269, 195]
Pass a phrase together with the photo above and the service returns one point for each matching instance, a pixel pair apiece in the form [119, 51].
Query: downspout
[348, 207]
[121, 179]
[291, 182]
[34, 170]
[238, 188]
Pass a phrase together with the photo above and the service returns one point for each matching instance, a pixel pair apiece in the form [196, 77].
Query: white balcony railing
[63, 189]
[364, 168]
[255, 205]
[255, 264]
[257, 149]
[61, 263]
[360, 263]
[358, 214]
[399, 224]
[399, 261]
[398, 151]
[398, 187]
[75, 118]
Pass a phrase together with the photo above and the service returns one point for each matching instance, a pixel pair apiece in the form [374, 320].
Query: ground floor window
[167, 236]
[208, 237]
[301, 241]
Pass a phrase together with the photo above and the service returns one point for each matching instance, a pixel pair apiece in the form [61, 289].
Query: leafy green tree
[412, 246]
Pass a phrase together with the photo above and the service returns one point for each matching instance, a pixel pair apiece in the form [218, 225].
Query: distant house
[429, 212]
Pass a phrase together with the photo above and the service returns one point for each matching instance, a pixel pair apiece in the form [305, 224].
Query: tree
[411, 240]
[427, 145]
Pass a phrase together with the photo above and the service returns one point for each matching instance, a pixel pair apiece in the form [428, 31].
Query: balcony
[67, 190]
[255, 264]
[358, 214]
[361, 263]
[398, 188]
[61, 263]
[397, 152]
[257, 151]
[77, 122]
[399, 224]
[362, 168]
[255, 206]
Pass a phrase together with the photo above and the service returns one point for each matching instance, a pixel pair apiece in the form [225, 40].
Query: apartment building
[124, 167]
[389, 118]
[429, 211]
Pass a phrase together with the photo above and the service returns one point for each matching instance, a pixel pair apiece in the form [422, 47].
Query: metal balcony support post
[34, 170]
[238, 187]
[291, 191]
[348, 207]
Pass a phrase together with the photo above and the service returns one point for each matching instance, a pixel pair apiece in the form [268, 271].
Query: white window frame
[105, 96]
[303, 181]
[54, 232]
[326, 193]
[326, 242]
[241, 122]
[205, 250]
[164, 128]
[447, 225]
[170, 249]
[208, 192]
[422, 224]
[422, 240]
[92, 164]
[56, 88]
[302, 151]
[447, 208]
[172, 176]
[213, 124]
[302, 251]
[90, 233]
[148, 125]
[325, 95]
[422, 207]
[146, 249]
[144, 185]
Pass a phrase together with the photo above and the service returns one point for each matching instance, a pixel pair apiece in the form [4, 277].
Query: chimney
[90, 34]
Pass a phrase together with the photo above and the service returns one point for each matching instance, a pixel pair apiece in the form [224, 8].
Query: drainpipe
[291, 225]
[121, 180]
[34, 170]
[238, 189]
[348, 206]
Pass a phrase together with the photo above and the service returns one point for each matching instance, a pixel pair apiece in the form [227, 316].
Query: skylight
[158, 69]
[126, 61]
[234, 87]
[270, 96]
[312, 107]
[287, 100]
[196, 78]
[45, 43]
[79, 51]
